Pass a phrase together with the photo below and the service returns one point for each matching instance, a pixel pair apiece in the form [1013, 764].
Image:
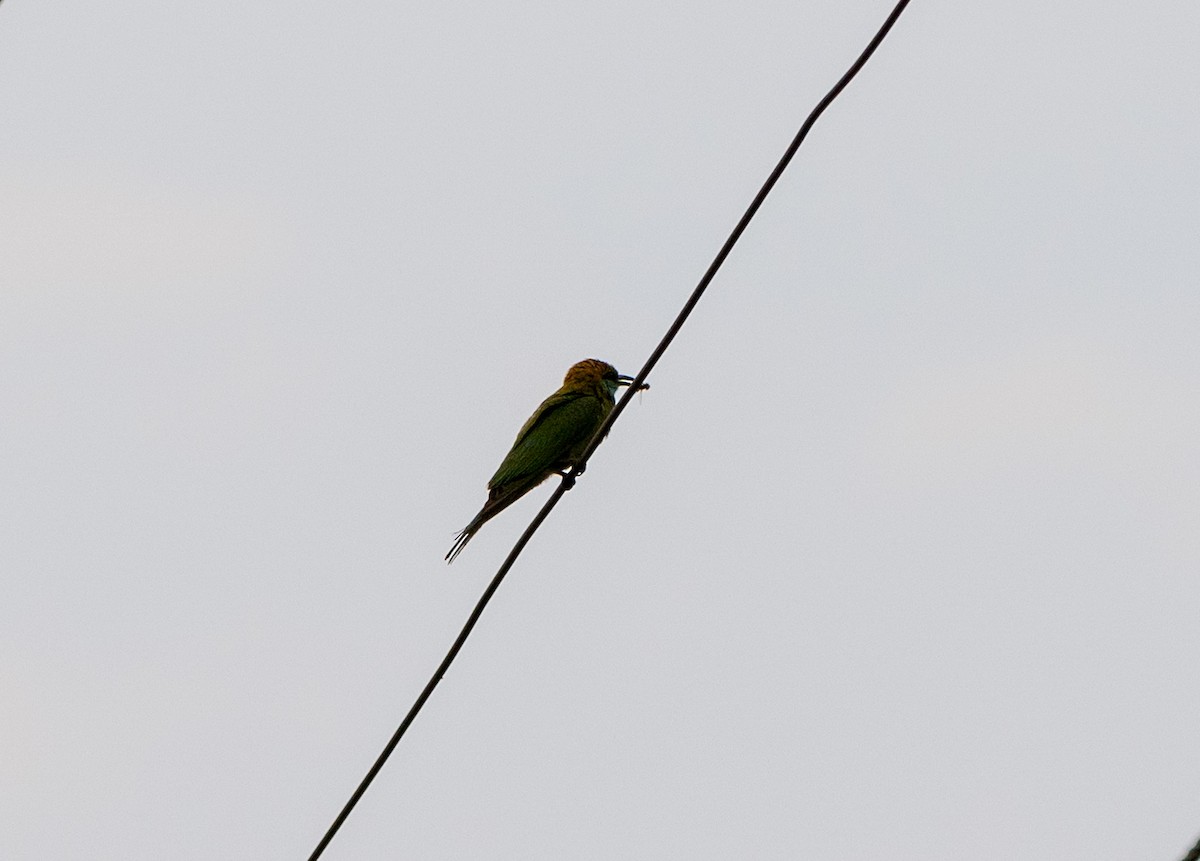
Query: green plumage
[553, 437]
[551, 441]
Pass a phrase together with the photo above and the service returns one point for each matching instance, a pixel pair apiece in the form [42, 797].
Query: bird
[551, 440]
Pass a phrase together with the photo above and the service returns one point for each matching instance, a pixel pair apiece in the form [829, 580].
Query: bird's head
[593, 373]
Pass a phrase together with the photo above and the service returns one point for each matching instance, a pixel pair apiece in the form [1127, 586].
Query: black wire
[740, 228]
[569, 480]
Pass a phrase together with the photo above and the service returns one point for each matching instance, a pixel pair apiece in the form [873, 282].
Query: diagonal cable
[638, 382]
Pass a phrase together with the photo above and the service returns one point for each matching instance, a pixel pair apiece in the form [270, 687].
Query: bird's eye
[611, 374]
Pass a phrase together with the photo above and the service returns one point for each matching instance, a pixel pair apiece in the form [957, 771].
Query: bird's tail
[500, 499]
[461, 539]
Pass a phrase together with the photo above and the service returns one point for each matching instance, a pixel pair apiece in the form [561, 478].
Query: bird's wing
[564, 420]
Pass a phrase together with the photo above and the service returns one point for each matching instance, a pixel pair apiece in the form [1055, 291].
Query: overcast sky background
[897, 558]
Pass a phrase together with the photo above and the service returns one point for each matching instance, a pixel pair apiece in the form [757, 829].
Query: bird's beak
[626, 380]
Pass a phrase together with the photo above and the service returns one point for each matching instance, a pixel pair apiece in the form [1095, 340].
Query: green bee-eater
[550, 442]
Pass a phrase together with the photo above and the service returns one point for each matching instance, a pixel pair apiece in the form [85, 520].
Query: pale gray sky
[898, 557]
